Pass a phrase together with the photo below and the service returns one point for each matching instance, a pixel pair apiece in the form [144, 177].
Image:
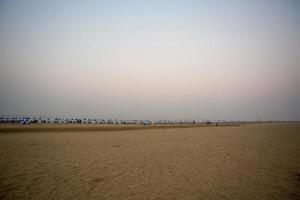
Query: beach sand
[255, 161]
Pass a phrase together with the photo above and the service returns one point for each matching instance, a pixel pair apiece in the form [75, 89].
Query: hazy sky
[151, 59]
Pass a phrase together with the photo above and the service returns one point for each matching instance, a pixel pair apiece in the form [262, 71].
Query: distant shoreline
[18, 128]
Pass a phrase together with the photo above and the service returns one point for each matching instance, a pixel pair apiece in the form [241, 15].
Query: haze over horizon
[233, 60]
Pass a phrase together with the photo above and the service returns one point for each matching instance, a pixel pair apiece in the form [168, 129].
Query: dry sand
[244, 162]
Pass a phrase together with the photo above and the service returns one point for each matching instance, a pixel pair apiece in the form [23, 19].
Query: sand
[258, 161]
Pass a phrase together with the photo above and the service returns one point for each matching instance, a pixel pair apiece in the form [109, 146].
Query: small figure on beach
[147, 123]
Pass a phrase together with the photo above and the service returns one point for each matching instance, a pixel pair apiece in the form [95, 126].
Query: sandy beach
[255, 161]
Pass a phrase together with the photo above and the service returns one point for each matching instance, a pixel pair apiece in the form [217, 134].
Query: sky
[155, 59]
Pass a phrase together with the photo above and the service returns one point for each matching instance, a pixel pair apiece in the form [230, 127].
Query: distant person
[146, 123]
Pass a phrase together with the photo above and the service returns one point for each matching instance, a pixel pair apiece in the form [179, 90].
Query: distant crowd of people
[56, 120]
[41, 120]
